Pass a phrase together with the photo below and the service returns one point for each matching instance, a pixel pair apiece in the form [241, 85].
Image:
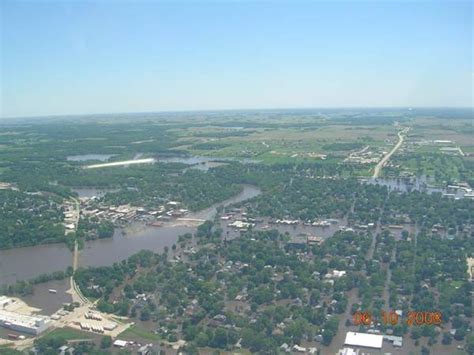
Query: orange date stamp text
[412, 318]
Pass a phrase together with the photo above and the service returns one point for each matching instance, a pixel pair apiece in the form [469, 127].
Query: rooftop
[21, 319]
[364, 340]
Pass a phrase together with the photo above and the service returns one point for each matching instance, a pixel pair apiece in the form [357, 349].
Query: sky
[80, 57]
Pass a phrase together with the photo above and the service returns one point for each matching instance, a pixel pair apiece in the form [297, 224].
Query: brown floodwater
[27, 263]
[126, 242]
[49, 302]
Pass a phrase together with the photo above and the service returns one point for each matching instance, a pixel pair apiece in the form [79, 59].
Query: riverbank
[48, 258]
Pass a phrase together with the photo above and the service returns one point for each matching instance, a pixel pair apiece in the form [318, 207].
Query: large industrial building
[31, 324]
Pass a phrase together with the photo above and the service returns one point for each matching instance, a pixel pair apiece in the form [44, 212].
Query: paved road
[386, 158]
[75, 292]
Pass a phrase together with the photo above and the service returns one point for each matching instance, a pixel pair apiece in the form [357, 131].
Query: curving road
[386, 158]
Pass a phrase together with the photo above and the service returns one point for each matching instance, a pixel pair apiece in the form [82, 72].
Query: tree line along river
[29, 262]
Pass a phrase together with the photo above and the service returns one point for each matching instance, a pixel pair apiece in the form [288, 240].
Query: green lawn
[456, 284]
[136, 331]
[68, 334]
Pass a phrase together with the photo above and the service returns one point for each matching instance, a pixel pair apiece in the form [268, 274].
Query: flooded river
[126, 242]
[27, 263]
[203, 163]
[195, 162]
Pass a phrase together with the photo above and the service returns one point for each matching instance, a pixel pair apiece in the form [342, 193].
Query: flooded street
[421, 184]
[27, 263]
[294, 230]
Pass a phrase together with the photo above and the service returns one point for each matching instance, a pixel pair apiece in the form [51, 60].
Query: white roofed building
[120, 343]
[364, 340]
[24, 323]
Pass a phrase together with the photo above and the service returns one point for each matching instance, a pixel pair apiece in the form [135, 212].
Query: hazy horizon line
[230, 110]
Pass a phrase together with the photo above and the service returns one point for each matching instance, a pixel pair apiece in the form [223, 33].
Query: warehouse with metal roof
[23, 323]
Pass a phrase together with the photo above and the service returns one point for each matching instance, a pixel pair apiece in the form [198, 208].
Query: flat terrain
[271, 227]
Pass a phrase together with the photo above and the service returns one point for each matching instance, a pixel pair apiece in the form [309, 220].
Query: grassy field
[458, 131]
[68, 334]
[138, 333]
[283, 144]
[425, 157]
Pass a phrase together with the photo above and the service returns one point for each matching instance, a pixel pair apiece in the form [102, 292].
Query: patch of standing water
[421, 184]
[91, 192]
[86, 157]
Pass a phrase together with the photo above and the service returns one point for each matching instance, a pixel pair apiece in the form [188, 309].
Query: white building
[364, 340]
[335, 274]
[240, 225]
[120, 343]
[299, 349]
[23, 323]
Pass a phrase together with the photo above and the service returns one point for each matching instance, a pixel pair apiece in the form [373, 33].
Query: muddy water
[27, 263]
[126, 242]
[292, 230]
[46, 301]
[202, 163]
[421, 184]
[247, 193]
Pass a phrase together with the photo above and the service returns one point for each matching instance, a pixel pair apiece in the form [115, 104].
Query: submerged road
[387, 157]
